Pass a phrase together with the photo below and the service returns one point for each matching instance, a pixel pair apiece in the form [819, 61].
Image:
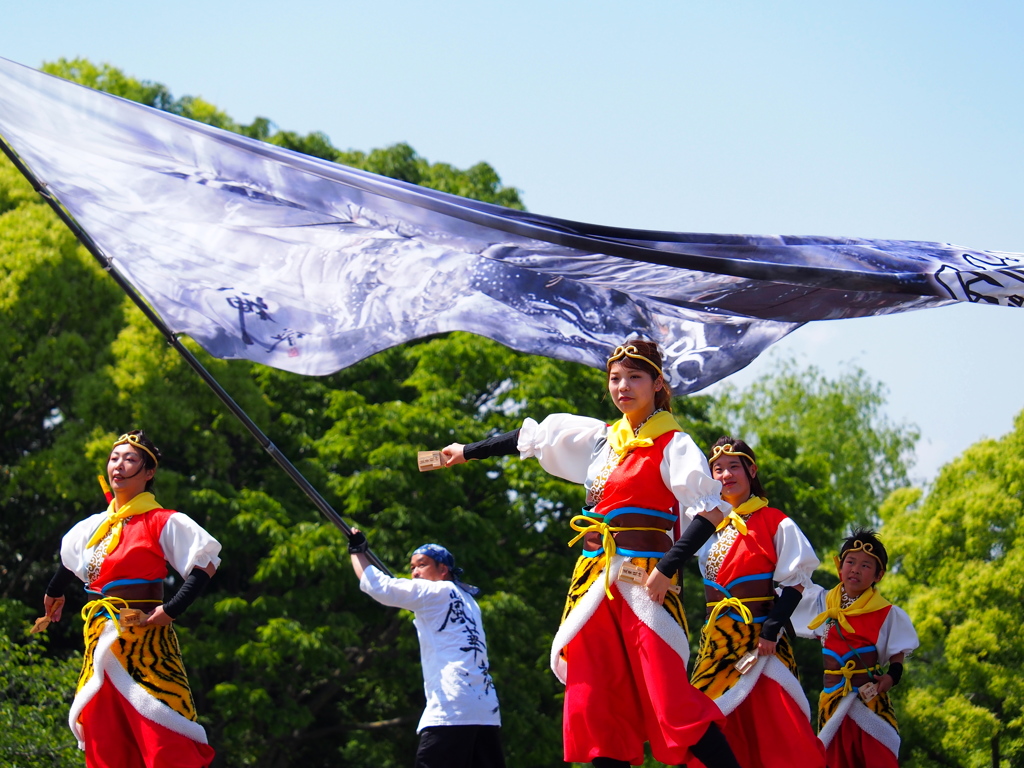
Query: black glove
[187, 593]
[505, 444]
[357, 543]
[697, 532]
[59, 582]
[784, 606]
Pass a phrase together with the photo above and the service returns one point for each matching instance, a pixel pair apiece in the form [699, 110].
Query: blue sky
[875, 119]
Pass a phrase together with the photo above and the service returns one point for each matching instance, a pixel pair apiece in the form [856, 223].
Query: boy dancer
[861, 632]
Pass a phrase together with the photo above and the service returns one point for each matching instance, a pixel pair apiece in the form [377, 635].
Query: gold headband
[726, 450]
[631, 351]
[860, 546]
[134, 441]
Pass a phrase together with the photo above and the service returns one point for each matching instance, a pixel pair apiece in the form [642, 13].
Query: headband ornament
[726, 450]
[134, 441]
[629, 350]
[859, 546]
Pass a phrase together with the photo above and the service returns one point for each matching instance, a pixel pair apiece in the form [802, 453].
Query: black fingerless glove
[59, 583]
[357, 543]
[895, 671]
[505, 444]
[697, 532]
[187, 594]
[784, 606]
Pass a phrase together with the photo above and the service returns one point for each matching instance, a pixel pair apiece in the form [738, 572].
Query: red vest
[637, 481]
[753, 552]
[865, 632]
[138, 554]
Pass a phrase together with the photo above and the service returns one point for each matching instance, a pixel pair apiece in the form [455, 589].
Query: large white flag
[261, 253]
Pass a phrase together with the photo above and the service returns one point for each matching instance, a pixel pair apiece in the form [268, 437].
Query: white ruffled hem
[772, 668]
[106, 665]
[528, 438]
[874, 726]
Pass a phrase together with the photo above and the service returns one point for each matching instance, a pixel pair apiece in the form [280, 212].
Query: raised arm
[505, 444]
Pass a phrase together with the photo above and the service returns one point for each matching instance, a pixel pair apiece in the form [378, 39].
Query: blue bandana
[442, 556]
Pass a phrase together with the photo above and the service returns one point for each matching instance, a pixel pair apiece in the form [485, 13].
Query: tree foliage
[289, 662]
[957, 558]
[35, 693]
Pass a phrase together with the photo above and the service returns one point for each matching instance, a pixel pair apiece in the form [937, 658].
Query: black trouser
[460, 746]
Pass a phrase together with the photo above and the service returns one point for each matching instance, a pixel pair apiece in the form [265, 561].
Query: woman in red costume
[745, 662]
[133, 707]
[621, 655]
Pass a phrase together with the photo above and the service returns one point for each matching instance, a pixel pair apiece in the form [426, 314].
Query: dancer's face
[632, 391]
[858, 572]
[126, 473]
[730, 472]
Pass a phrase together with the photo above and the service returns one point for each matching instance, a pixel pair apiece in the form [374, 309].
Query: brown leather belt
[145, 597]
[866, 660]
[744, 591]
[637, 540]
[640, 541]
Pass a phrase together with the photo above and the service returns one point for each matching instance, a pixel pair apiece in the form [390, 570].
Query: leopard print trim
[596, 491]
[92, 569]
[719, 550]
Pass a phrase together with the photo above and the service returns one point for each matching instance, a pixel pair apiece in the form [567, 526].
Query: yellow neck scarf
[870, 600]
[735, 517]
[139, 505]
[621, 437]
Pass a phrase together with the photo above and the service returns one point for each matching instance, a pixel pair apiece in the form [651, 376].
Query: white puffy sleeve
[187, 545]
[72, 547]
[897, 635]
[811, 605]
[410, 594]
[797, 560]
[685, 470]
[563, 443]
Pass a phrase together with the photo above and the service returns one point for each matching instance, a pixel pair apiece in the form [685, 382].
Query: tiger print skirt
[721, 646]
[144, 664]
[590, 569]
[880, 705]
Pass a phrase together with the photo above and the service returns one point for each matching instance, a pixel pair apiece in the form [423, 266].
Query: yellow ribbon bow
[585, 524]
[140, 505]
[735, 517]
[726, 604]
[870, 600]
[848, 670]
[622, 440]
[112, 605]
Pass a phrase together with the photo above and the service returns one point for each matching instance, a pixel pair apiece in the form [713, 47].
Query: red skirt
[117, 736]
[770, 730]
[853, 747]
[625, 686]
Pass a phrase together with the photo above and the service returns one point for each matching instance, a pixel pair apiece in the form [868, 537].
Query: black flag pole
[173, 339]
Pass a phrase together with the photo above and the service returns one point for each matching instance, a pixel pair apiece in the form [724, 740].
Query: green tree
[35, 693]
[957, 566]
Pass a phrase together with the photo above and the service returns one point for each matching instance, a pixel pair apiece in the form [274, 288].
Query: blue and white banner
[261, 253]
